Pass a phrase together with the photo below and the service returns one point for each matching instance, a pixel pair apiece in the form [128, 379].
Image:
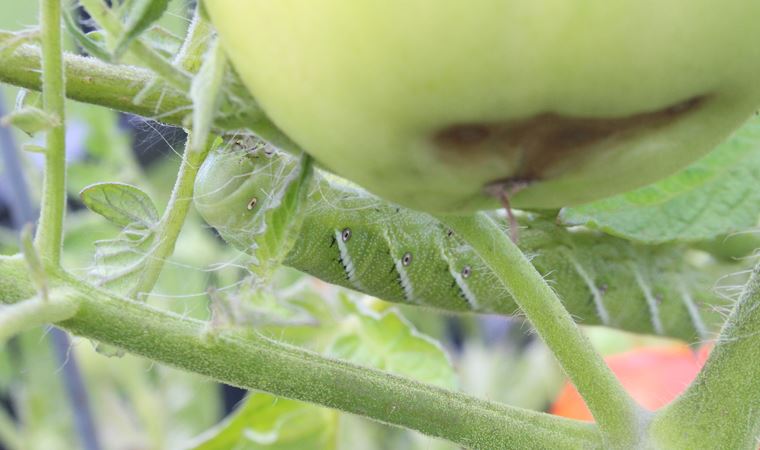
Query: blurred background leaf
[717, 195]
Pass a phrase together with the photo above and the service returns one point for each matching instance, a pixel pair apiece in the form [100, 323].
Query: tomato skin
[431, 103]
[652, 376]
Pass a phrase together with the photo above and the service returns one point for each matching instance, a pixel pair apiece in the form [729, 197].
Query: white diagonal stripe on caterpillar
[693, 309]
[596, 294]
[469, 297]
[347, 262]
[654, 309]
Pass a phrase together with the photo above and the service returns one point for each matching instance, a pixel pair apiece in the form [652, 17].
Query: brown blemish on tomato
[540, 143]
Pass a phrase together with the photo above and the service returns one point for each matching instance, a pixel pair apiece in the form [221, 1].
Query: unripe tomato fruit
[652, 376]
[430, 102]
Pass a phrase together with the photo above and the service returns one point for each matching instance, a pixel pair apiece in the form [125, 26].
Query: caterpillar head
[238, 184]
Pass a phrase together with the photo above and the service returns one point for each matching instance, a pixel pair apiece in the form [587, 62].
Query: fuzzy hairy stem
[199, 33]
[93, 81]
[114, 86]
[254, 362]
[173, 219]
[621, 421]
[721, 409]
[50, 233]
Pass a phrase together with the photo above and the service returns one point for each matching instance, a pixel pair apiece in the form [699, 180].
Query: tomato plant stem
[199, 34]
[720, 408]
[173, 219]
[206, 94]
[49, 237]
[619, 418]
[118, 86]
[251, 361]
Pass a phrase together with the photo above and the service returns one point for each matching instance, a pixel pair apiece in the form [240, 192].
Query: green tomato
[432, 103]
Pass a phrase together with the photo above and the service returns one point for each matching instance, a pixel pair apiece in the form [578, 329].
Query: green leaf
[143, 14]
[351, 327]
[389, 342]
[716, 195]
[30, 120]
[16, 40]
[120, 263]
[92, 43]
[257, 304]
[120, 203]
[272, 423]
[205, 92]
[163, 41]
[29, 115]
[348, 331]
[26, 98]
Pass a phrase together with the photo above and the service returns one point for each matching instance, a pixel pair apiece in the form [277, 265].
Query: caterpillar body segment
[352, 238]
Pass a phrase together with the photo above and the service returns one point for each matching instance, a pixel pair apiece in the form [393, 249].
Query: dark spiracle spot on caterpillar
[406, 259]
[466, 271]
[252, 203]
[345, 234]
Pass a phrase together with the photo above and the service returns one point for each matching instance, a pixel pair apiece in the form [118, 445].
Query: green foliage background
[138, 404]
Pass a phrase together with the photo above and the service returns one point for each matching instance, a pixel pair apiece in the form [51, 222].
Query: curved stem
[50, 233]
[173, 219]
[199, 34]
[251, 361]
[721, 408]
[206, 94]
[619, 418]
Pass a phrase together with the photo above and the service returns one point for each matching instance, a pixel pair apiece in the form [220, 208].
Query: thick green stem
[114, 86]
[92, 81]
[619, 418]
[254, 362]
[50, 231]
[721, 409]
[173, 219]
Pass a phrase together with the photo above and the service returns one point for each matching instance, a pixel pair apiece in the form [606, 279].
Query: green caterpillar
[352, 238]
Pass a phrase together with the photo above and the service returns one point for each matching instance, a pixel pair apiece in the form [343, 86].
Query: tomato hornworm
[352, 238]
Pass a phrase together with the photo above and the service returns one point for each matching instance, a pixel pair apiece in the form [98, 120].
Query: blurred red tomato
[653, 376]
